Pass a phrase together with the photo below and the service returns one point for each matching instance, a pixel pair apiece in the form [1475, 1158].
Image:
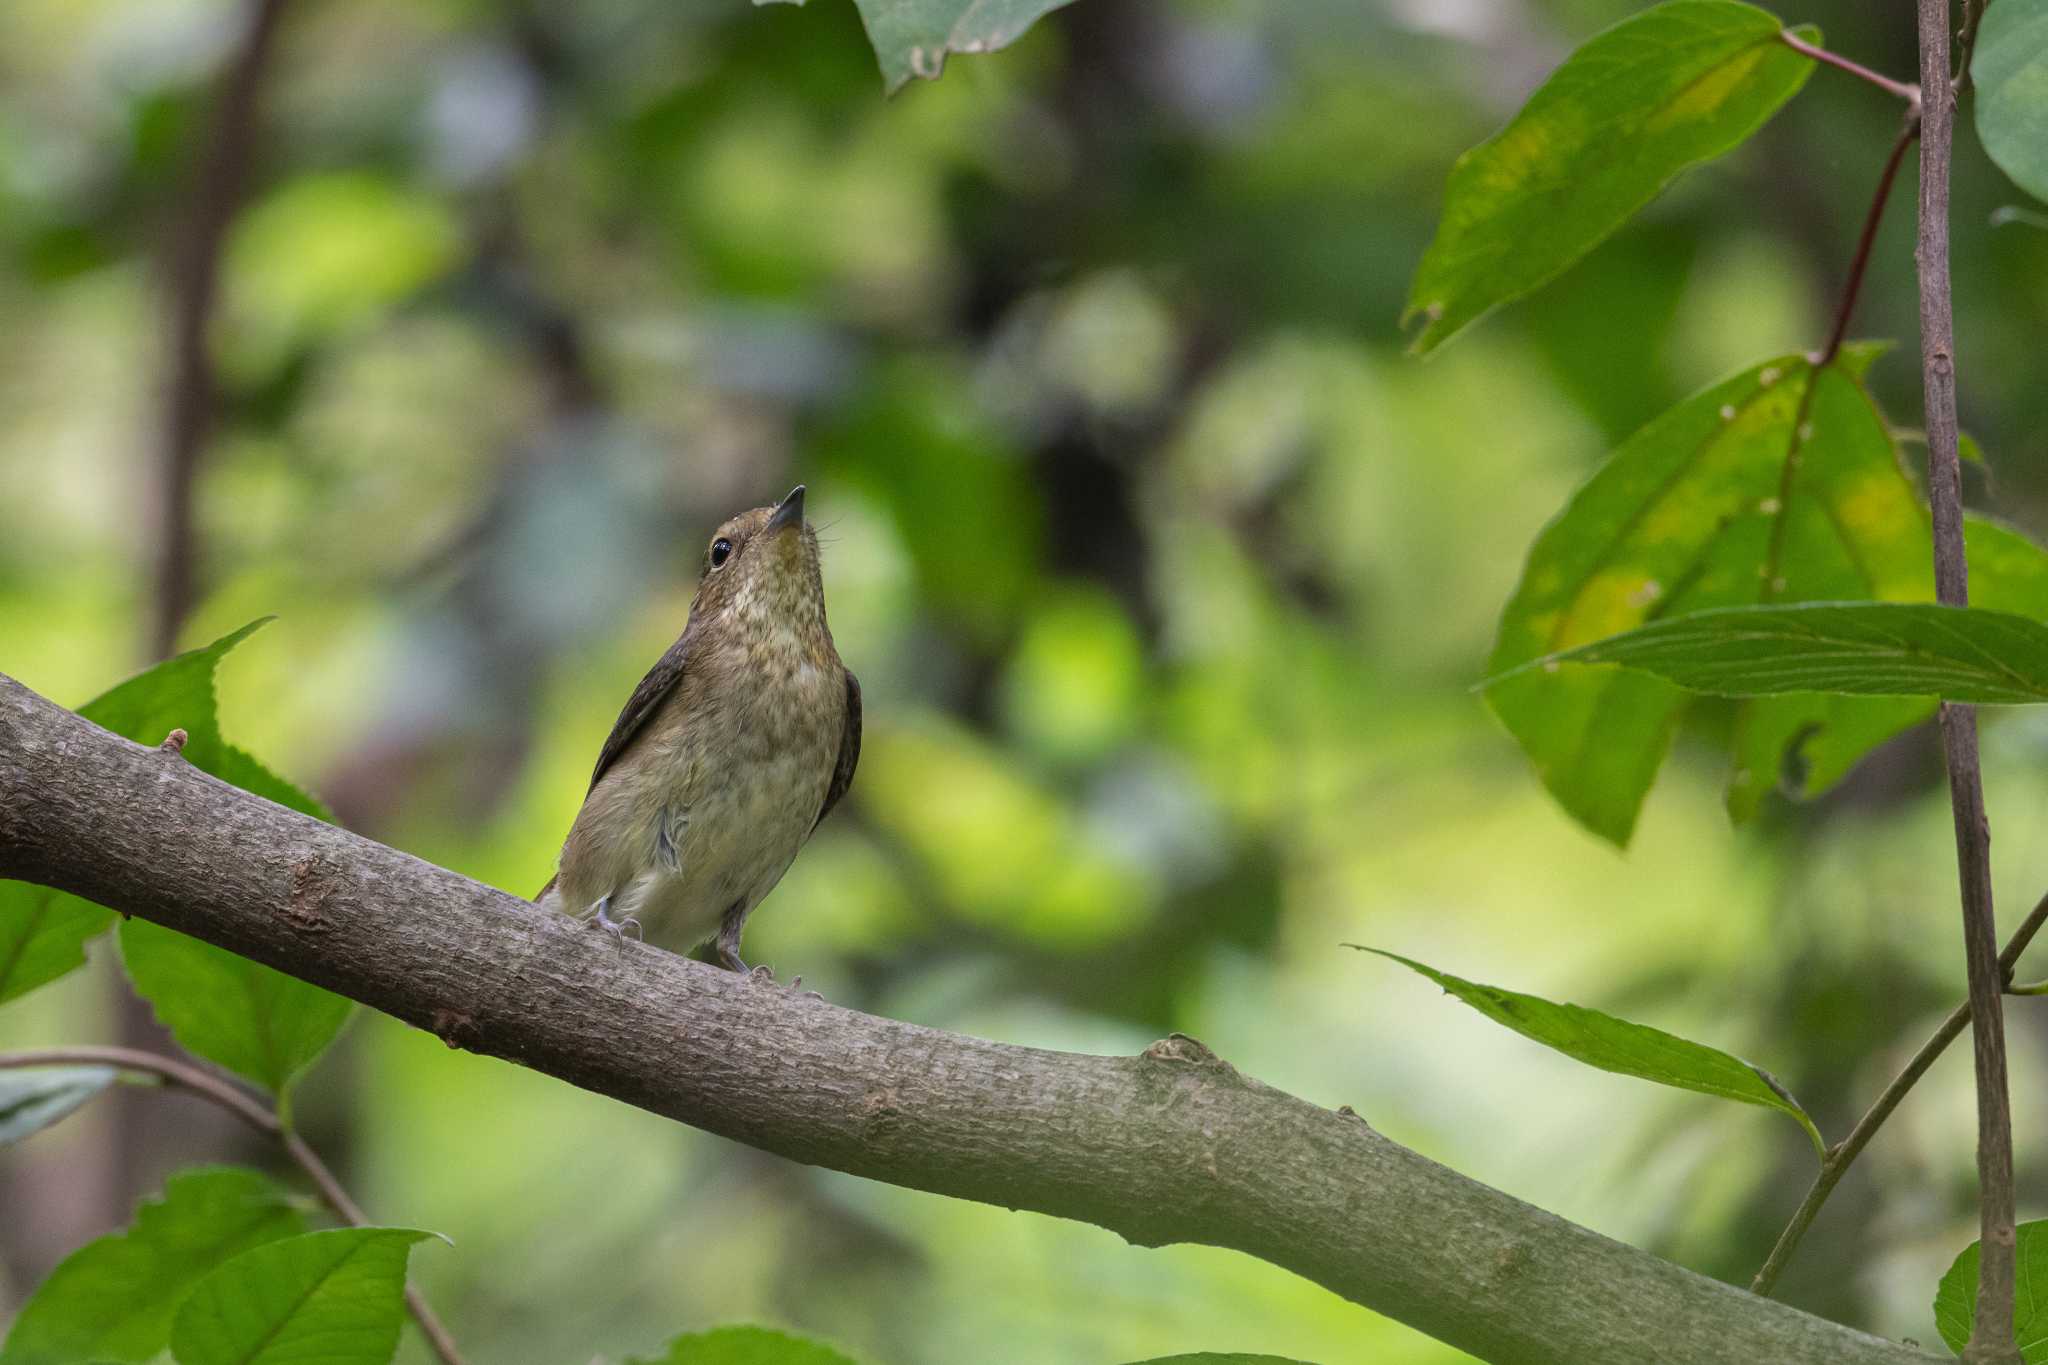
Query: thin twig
[1910, 93]
[1966, 44]
[1844, 1153]
[185, 1076]
[1991, 1338]
[1860, 264]
[1851, 290]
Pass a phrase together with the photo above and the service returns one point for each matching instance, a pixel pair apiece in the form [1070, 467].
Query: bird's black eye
[721, 550]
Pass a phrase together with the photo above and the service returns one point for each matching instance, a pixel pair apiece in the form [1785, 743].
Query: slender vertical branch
[184, 1076]
[1991, 1339]
[190, 394]
[1844, 1153]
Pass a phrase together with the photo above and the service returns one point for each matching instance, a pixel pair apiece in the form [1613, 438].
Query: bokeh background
[1166, 573]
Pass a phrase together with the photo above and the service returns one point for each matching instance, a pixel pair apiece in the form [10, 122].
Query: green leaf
[1955, 1302]
[743, 1346]
[34, 1097]
[113, 1299]
[914, 37]
[1616, 1045]
[43, 933]
[1805, 743]
[2011, 70]
[321, 1298]
[252, 1020]
[256, 1022]
[1680, 83]
[1884, 649]
[1699, 509]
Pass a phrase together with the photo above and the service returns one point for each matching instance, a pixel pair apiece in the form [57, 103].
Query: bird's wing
[654, 689]
[849, 751]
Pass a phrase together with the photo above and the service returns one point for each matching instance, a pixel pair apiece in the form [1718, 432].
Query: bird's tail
[549, 898]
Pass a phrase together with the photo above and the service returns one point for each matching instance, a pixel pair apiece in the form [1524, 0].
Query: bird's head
[761, 568]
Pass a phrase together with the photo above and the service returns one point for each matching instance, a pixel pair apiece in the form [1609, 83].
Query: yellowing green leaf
[1678, 84]
[1701, 509]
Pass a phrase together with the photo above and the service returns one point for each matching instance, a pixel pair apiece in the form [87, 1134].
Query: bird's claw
[615, 927]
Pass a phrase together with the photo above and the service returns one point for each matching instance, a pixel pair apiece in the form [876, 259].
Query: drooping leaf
[113, 1299]
[1882, 649]
[43, 933]
[743, 1346]
[912, 38]
[331, 1298]
[1611, 1044]
[32, 1098]
[256, 1022]
[1678, 84]
[1955, 1302]
[2010, 67]
[1802, 744]
[1701, 508]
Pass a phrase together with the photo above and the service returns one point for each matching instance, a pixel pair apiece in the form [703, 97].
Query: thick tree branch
[1170, 1146]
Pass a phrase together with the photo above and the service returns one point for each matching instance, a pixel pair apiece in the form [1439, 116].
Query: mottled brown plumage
[727, 755]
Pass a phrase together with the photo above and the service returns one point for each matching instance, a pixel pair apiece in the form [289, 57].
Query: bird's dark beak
[789, 513]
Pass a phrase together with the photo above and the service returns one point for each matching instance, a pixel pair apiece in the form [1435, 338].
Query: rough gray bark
[1172, 1145]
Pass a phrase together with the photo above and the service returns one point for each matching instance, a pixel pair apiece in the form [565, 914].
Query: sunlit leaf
[34, 1097]
[912, 38]
[2010, 67]
[1701, 509]
[113, 1299]
[1678, 84]
[1955, 1302]
[1881, 649]
[1802, 744]
[256, 1022]
[1611, 1044]
[43, 933]
[334, 1297]
[743, 1346]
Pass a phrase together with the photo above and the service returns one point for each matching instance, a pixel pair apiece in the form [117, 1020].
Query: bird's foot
[601, 917]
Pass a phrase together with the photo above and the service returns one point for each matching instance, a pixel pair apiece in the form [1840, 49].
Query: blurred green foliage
[1165, 572]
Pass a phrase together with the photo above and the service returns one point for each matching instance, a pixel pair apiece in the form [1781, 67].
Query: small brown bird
[728, 754]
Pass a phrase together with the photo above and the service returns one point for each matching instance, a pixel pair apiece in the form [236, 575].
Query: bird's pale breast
[723, 789]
